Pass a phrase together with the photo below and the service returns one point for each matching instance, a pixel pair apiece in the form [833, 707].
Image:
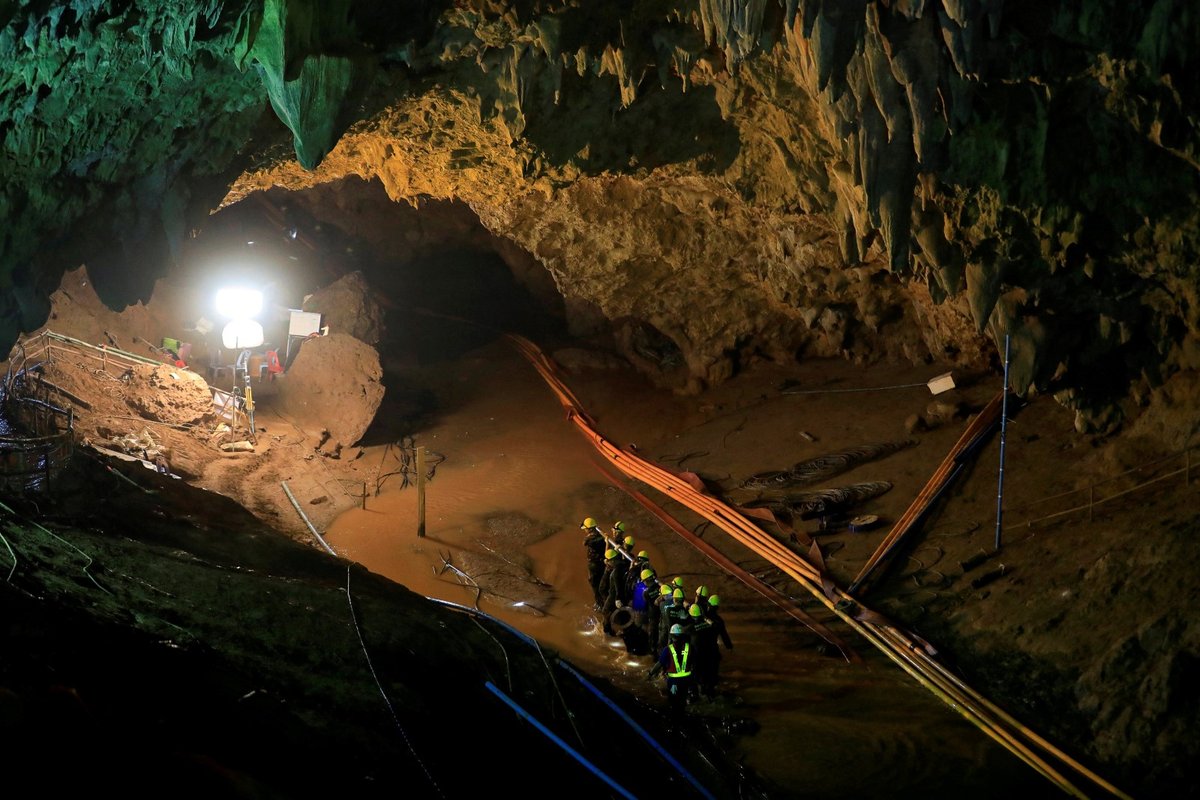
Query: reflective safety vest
[681, 665]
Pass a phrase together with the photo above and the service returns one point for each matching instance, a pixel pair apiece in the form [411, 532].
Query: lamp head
[239, 302]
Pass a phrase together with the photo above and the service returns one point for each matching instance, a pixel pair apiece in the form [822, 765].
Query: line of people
[656, 618]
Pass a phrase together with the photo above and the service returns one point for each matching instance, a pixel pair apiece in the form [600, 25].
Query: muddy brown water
[518, 478]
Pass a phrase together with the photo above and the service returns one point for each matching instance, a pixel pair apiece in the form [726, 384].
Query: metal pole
[1003, 431]
[421, 492]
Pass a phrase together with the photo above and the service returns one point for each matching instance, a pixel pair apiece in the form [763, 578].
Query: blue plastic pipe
[474, 612]
[670, 759]
[566, 747]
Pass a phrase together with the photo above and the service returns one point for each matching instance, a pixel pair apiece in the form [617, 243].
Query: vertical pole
[364, 496]
[421, 492]
[1003, 432]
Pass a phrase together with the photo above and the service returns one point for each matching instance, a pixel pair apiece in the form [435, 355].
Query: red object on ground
[273, 365]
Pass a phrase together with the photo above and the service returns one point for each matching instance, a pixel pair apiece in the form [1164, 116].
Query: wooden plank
[975, 430]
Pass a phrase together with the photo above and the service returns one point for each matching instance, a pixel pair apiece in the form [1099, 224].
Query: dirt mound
[347, 306]
[334, 385]
[166, 394]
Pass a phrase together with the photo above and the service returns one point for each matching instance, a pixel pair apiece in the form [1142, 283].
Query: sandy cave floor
[505, 504]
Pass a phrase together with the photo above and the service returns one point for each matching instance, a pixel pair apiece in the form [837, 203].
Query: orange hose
[901, 648]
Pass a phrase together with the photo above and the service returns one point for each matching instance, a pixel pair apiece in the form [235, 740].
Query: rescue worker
[638, 602]
[608, 588]
[639, 565]
[675, 661]
[650, 618]
[622, 574]
[702, 598]
[707, 657]
[714, 616]
[677, 614]
[663, 621]
[593, 547]
[617, 533]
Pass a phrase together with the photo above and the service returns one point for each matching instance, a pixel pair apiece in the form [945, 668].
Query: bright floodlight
[239, 303]
[242, 333]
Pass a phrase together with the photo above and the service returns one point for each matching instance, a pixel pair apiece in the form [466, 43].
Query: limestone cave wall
[906, 179]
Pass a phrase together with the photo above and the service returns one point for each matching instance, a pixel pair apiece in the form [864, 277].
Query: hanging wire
[14, 558]
[388, 702]
[86, 566]
[503, 651]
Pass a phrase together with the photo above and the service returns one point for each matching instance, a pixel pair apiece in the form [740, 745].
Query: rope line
[847, 391]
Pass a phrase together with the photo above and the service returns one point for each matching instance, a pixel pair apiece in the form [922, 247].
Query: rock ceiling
[911, 179]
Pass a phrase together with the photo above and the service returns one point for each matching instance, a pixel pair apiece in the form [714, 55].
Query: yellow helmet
[610, 554]
[695, 611]
[677, 594]
[590, 522]
[646, 573]
[678, 582]
[619, 526]
[644, 555]
[629, 541]
[701, 591]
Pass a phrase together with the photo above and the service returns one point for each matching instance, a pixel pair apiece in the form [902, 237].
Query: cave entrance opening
[420, 262]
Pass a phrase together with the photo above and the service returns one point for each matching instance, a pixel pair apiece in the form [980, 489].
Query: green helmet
[695, 611]
[677, 594]
[647, 573]
[590, 522]
[619, 526]
[678, 582]
[610, 554]
[701, 591]
[714, 601]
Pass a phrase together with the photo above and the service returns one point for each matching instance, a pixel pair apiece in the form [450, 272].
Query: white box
[304, 323]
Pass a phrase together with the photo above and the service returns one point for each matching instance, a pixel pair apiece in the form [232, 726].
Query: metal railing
[39, 438]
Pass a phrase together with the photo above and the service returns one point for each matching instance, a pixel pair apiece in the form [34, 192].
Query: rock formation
[347, 306]
[333, 383]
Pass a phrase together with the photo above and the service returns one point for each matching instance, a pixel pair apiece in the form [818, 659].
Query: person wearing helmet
[610, 582]
[640, 564]
[714, 616]
[706, 656]
[624, 588]
[637, 602]
[663, 618]
[593, 548]
[618, 532]
[675, 660]
[649, 618]
[678, 613]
